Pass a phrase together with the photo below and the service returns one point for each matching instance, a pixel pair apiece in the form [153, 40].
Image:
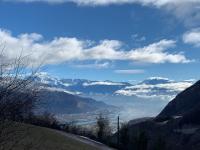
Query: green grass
[28, 137]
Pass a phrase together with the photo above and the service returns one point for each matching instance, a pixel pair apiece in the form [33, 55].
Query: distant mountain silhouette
[60, 102]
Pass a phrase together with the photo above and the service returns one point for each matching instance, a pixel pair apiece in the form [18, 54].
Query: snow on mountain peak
[45, 78]
[102, 83]
[163, 88]
[156, 80]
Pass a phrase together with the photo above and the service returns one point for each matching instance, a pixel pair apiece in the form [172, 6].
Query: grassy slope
[38, 138]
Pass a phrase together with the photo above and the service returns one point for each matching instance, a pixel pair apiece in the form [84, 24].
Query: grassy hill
[29, 137]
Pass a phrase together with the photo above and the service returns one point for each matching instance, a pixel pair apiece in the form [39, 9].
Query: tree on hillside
[103, 127]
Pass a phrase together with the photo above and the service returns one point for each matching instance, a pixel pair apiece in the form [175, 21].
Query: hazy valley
[82, 100]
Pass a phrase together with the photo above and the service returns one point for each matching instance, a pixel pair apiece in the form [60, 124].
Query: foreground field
[28, 137]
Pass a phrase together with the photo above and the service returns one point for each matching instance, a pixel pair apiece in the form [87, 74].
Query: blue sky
[114, 40]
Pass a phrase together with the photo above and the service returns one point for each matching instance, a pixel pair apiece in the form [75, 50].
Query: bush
[45, 120]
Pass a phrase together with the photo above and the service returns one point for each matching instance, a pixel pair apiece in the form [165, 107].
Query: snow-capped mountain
[153, 87]
[156, 87]
[83, 86]
[57, 97]
[156, 80]
[44, 79]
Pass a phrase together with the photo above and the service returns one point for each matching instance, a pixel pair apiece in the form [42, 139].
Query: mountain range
[156, 87]
[75, 96]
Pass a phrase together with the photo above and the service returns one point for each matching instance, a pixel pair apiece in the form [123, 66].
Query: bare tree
[18, 95]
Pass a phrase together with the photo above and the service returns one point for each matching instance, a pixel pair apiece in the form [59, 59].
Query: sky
[119, 40]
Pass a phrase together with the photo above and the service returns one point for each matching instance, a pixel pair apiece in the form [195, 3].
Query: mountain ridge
[149, 88]
[59, 102]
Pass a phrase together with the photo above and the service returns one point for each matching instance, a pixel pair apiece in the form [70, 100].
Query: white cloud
[177, 86]
[157, 3]
[132, 71]
[192, 37]
[106, 49]
[137, 38]
[156, 53]
[95, 65]
[185, 10]
[62, 49]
